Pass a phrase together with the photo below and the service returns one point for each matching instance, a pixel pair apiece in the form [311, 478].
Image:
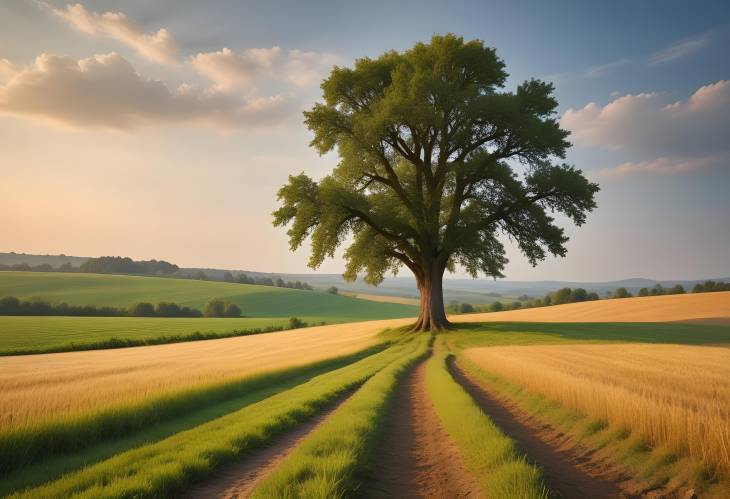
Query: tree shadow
[624, 332]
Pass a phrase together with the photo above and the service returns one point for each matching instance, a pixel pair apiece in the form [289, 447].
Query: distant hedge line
[10, 305]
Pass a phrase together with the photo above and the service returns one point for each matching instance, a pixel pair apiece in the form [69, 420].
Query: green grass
[328, 462]
[255, 301]
[533, 333]
[51, 467]
[33, 335]
[489, 454]
[21, 335]
[22, 446]
[165, 468]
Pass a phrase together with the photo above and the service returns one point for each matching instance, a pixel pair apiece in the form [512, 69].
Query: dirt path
[238, 480]
[568, 470]
[416, 457]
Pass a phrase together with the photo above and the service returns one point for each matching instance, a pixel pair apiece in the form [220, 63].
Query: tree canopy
[437, 164]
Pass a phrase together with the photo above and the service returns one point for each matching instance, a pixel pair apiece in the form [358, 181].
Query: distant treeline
[242, 278]
[103, 265]
[10, 305]
[125, 265]
[568, 295]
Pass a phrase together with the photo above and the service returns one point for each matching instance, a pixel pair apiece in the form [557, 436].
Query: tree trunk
[431, 316]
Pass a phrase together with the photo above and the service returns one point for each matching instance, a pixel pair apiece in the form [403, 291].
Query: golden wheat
[710, 308]
[671, 395]
[34, 388]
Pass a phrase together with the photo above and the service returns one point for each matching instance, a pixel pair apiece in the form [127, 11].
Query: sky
[164, 129]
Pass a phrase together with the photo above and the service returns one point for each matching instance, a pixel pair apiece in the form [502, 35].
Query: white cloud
[677, 137]
[228, 69]
[306, 68]
[665, 166]
[680, 49]
[159, 46]
[603, 69]
[7, 70]
[105, 91]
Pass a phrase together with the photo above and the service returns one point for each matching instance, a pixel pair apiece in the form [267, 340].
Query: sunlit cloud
[677, 137]
[159, 46]
[665, 166]
[228, 69]
[105, 91]
[680, 49]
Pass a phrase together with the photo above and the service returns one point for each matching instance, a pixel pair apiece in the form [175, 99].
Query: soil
[238, 480]
[416, 457]
[570, 470]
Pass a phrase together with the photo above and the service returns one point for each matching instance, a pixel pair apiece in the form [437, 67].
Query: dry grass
[387, 298]
[670, 395]
[712, 308]
[35, 388]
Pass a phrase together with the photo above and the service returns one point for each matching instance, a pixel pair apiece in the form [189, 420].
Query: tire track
[238, 480]
[567, 473]
[416, 457]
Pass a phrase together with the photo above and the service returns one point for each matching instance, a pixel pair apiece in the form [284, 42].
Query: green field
[42, 334]
[255, 301]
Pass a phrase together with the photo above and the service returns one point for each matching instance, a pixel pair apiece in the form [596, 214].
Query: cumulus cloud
[653, 128]
[159, 46]
[106, 91]
[306, 68]
[228, 69]
[680, 49]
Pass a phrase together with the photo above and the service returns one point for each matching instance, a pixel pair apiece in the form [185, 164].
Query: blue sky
[127, 162]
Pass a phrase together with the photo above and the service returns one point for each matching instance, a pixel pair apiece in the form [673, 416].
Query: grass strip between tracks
[165, 468]
[24, 446]
[488, 453]
[328, 462]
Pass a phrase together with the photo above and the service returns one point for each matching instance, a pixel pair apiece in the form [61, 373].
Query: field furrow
[167, 467]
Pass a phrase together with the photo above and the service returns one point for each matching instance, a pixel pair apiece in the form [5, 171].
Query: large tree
[437, 165]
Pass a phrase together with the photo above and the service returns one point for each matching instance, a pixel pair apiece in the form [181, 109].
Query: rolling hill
[255, 301]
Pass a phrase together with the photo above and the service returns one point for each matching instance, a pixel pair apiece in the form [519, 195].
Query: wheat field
[711, 308]
[34, 388]
[671, 395]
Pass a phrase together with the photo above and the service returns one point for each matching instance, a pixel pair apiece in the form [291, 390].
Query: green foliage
[142, 309]
[296, 323]
[333, 290]
[232, 310]
[426, 140]
[496, 306]
[622, 293]
[711, 286]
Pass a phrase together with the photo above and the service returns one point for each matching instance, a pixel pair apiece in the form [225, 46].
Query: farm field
[711, 308]
[42, 334]
[672, 396]
[255, 301]
[157, 421]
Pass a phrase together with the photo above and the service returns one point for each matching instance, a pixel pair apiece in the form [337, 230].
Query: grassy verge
[23, 446]
[115, 342]
[487, 452]
[327, 463]
[52, 467]
[164, 468]
[655, 467]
